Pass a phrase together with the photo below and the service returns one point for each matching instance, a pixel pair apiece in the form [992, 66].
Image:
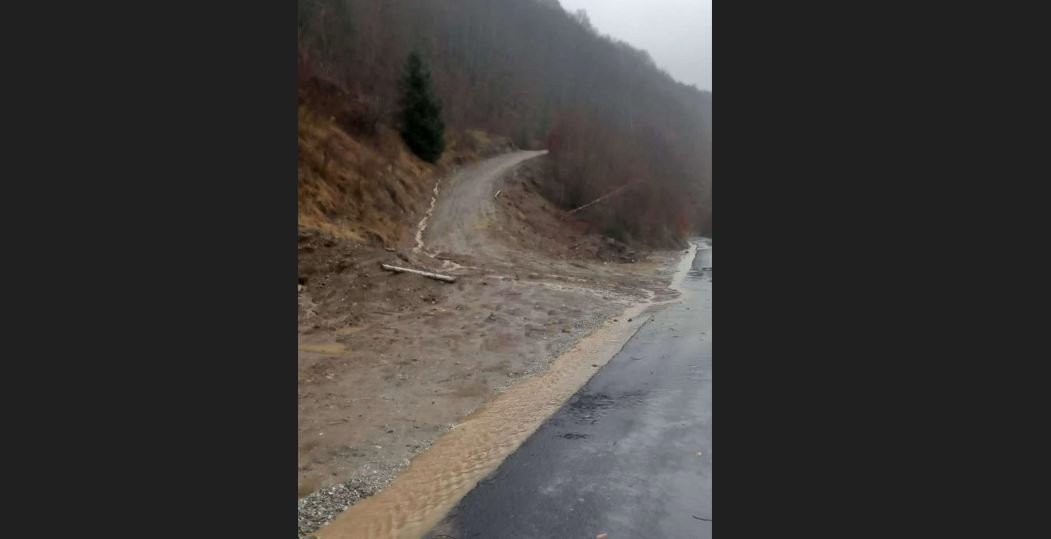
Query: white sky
[676, 33]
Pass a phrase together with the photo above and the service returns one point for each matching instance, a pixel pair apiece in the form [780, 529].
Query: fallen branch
[601, 198]
[446, 278]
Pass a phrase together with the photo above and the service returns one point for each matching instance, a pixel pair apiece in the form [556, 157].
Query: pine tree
[420, 120]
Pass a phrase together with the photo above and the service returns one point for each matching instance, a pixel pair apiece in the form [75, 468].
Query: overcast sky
[676, 33]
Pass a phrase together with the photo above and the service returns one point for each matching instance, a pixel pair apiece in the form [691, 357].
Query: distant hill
[528, 70]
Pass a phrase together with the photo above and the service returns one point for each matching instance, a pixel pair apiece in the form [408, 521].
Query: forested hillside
[529, 70]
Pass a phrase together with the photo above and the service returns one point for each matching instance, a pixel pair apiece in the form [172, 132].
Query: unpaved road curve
[465, 204]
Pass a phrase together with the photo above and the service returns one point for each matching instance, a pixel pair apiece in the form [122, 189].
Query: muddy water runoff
[438, 478]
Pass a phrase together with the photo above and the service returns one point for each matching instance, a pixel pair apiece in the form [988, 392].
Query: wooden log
[446, 278]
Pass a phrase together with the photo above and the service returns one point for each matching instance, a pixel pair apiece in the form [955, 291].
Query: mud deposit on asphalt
[389, 363]
[438, 478]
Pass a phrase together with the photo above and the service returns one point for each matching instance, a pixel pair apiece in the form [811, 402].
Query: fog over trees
[529, 70]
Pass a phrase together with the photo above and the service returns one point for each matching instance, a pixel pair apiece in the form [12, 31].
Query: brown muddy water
[438, 478]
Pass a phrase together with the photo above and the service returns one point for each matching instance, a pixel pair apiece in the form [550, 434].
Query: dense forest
[529, 70]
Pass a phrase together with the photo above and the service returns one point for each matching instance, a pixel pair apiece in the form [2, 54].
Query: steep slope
[357, 180]
[530, 71]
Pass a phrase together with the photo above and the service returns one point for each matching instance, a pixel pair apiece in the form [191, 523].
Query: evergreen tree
[420, 119]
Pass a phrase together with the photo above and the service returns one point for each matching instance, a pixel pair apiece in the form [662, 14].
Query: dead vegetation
[544, 77]
[353, 190]
[357, 180]
[531, 221]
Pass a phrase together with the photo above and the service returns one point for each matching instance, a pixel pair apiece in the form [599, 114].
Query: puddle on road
[683, 267]
[701, 269]
[438, 478]
[589, 407]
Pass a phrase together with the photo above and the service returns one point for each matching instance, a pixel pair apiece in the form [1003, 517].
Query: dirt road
[388, 363]
[465, 209]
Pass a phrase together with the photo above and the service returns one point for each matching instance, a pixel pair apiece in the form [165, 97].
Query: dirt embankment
[357, 180]
[388, 362]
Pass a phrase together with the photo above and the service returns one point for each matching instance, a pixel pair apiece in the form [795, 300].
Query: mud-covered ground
[389, 361]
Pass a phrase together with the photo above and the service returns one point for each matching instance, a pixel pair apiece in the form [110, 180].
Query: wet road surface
[629, 455]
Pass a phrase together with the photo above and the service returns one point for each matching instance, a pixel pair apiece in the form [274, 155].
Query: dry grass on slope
[365, 192]
[371, 189]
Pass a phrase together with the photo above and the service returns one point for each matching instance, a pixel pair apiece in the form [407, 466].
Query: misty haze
[505, 268]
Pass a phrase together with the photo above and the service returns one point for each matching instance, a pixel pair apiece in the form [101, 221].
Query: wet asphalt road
[629, 455]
